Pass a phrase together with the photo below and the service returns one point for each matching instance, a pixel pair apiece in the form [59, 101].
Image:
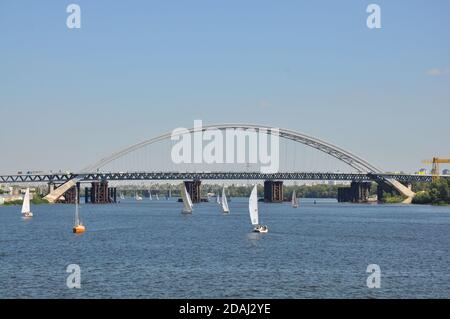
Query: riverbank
[435, 193]
[34, 201]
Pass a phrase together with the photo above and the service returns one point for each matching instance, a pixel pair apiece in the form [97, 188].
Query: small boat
[294, 200]
[122, 196]
[78, 227]
[137, 197]
[225, 207]
[26, 211]
[254, 215]
[187, 202]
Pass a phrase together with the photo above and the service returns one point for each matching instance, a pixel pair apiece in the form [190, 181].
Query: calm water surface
[149, 250]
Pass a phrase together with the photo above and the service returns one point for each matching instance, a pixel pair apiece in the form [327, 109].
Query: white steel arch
[360, 164]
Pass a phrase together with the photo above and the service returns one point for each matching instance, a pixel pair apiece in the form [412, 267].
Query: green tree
[443, 192]
[437, 192]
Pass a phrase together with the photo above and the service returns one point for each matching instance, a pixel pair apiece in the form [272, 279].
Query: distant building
[422, 171]
[446, 172]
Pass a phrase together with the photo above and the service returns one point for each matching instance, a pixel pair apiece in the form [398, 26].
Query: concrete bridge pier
[51, 187]
[112, 194]
[358, 192]
[380, 193]
[100, 193]
[193, 188]
[273, 191]
[70, 196]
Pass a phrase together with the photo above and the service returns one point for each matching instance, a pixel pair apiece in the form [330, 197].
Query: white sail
[156, 196]
[253, 206]
[294, 200]
[150, 192]
[26, 202]
[225, 207]
[187, 202]
[218, 199]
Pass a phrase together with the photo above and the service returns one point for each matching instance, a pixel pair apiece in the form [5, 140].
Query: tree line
[436, 193]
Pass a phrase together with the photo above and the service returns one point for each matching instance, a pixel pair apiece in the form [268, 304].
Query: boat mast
[77, 217]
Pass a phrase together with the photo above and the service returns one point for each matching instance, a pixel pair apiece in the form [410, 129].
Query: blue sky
[140, 68]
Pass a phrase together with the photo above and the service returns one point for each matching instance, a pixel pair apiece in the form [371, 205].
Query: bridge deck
[173, 176]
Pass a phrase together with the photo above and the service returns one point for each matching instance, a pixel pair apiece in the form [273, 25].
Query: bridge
[364, 170]
[174, 176]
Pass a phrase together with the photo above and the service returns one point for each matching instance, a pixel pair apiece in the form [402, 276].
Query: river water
[149, 249]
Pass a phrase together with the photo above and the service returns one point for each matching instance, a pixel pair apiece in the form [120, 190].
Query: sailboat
[294, 200]
[225, 207]
[156, 196]
[218, 199]
[122, 196]
[137, 197]
[253, 209]
[187, 202]
[150, 193]
[78, 226]
[26, 211]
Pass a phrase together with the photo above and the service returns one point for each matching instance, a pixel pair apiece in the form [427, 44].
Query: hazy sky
[136, 69]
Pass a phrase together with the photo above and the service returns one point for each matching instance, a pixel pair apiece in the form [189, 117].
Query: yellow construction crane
[435, 171]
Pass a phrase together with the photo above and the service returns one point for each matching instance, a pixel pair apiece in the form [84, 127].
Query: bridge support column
[100, 193]
[273, 191]
[87, 195]
[51, 187]
[380, 193]
[70, 196]
[193, 188]
[358, 192]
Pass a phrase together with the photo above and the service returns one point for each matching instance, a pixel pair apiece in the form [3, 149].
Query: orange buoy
[79, 229]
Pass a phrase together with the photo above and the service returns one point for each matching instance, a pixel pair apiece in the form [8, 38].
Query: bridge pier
[51, 187]
[380, 193]
[100, 193]
[193, 188]
[358, 192]
[273, 191]
[70, 195]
